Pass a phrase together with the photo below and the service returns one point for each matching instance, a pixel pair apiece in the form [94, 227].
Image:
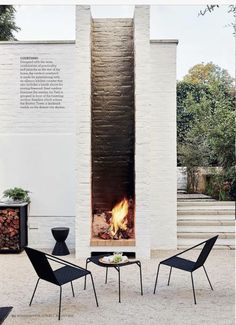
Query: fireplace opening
[113, 132]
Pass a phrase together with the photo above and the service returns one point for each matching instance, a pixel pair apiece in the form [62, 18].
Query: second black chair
[187, 265]
[68, 273]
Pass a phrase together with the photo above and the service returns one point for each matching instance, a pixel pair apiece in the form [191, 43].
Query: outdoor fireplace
[125, 136]
[113, 132]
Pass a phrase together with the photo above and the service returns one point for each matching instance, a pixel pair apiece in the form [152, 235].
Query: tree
[203, 82]
[209, 74]
[206, 120]
[193, 154]
[187, 94]
[7, 23]
[221, 136]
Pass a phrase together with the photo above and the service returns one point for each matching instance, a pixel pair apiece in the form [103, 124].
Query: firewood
[9, 229]
[104, 235]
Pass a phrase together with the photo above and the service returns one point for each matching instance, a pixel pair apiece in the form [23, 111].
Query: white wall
[38, 146]
[142, 125]
[163, 187]
[83, 131]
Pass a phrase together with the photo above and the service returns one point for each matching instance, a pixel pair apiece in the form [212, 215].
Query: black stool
[60, 234]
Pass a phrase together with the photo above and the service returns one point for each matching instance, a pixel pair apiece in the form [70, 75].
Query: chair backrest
[41, 265]
[205, 251]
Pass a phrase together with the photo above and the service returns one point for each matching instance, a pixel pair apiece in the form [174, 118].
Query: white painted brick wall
[16, 120]
[83, 161]
[142, 124]
[40, 235]
[142, 157]
[163, 186]
[83, 131]
[38, 147]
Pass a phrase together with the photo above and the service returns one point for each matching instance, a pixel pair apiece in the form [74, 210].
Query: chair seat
[180, 263]
[68, 273]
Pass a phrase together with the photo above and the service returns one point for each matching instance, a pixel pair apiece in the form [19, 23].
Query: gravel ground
[171, 305]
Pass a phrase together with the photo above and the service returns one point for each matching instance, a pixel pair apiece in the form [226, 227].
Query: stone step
[196, 200]
[193, 197]
[222, 243]
[216, 204]
[206, 229]
[205, 235]
[184, 247]
[209, 212]
[197, 217]
[205, 223]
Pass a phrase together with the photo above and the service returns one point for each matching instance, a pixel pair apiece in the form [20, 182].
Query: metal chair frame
[45, 272]
[188, 265]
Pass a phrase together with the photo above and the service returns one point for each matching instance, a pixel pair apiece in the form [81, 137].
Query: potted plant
[17, 195]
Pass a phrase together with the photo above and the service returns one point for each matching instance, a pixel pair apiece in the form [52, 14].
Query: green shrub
[221, 185]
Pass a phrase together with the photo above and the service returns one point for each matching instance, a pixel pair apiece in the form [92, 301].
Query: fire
[118, 219]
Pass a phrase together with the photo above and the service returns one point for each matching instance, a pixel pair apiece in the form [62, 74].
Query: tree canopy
[208, 74]
[206, 117]
[7, 23]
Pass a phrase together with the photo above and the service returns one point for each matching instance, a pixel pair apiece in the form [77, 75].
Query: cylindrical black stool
[60, 234]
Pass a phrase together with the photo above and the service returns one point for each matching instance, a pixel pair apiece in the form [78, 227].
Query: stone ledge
[37, 42]
[113, 243]
[165, 41]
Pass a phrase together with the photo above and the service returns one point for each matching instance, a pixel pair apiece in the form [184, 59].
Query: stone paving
[171, 305]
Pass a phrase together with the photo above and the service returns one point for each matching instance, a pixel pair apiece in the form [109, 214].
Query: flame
[118, 220]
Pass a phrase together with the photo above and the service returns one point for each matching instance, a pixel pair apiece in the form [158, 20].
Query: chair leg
[72, 288]
[34, 292]
[141, 281]
[156, 278]
[85, 278]
[106, 275]
[169, 276]
[59, 315]
[94, 289]
[207, 277]
[193, 289]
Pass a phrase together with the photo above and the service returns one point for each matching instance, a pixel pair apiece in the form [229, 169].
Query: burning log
[9, 229]
[104, 235]
[116, 224]
[124, 234]
[99, 224]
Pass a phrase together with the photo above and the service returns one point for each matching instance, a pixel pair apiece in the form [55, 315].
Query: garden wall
[37, 144]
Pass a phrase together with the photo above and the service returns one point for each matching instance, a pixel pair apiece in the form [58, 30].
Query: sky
[201, 39]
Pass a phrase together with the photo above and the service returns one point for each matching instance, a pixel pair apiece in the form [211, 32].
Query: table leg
[119, 282]
[141, 281]
[85, 278]
[118, 270]
[106, 275]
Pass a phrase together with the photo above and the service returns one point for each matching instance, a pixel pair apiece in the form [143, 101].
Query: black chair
[4, 312]
[187, 265]
[68, 273]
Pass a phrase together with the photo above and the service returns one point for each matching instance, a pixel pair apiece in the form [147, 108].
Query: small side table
[60, 234]
[95, 260]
